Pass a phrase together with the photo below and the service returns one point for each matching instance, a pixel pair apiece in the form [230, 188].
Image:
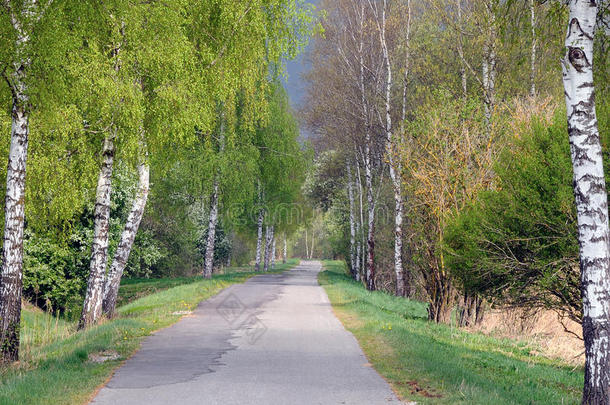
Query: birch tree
[591, 198]
[23, 17]
[128, 236]
[352, 223]
[285, 251]
[213, 219]
[273, 253]
[534, 44]
[268, 239]
[394, 166]
[259, 239]
[92, 305]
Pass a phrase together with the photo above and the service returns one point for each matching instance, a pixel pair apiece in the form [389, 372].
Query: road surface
[272, 340]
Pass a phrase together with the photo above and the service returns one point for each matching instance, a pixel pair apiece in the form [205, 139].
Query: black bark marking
[578, 59]
[575, 28]
[580, 155]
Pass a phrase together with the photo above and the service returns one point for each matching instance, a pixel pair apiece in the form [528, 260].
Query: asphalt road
[272, 340]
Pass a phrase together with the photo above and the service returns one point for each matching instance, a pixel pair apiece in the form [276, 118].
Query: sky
[294, 84]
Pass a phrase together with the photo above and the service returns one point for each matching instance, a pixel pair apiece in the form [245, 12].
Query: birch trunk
[92, 306]
[273, 250]
[306, 245]
[259, 240]
[390, 150]
[285, 249]
[313, 239]
[463, 75]
[14, 210]
[113, 279]
[360, 249]
[489, 66]
[267, 248]
[533, 49]
[208, 265]
[590, 197]
[370, 240]
[352, 225]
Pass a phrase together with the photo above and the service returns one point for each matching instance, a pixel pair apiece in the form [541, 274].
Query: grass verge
[440, 364]
[55, 366]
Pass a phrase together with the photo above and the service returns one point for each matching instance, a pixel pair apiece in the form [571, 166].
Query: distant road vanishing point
[272, 340]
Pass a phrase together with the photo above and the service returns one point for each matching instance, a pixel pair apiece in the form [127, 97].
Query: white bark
[408, 62]
[370, 239]
[489, 65]
[113, 279]
[273, 249]
[14, 210]
[306, 245]
[368, 174]
[390, 151]
[259, 240]
[360, 248]
[208, 265]
[533, 48]
[463, 74]
[313, 239]
[284, 256]
[92, 306]
[352, 222]
[590, 197]
[266, 259]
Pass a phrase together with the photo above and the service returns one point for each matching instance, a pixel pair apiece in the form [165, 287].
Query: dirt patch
[349, 319]
[558, 338]
[182, 313]
[417, 390]
[102, 357]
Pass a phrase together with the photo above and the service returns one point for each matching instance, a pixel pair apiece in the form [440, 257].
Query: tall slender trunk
[14, 210]
[306, 245]
[285, 249]
[407, 63]
[370, 240]
[463, 74]
[533, 49]
[489, 66]
[394, 167]
[208, 265]
[590, 197]
[352, 222]
[259, 240]
[360, 248]
[313, 239]
[370, 262]
[92, 305]
[403, 286]
[273, 249]
[267, 248]
[113, 279]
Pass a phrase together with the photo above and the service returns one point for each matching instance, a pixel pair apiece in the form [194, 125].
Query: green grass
[132, 289]
[440, 364]
[55, 367]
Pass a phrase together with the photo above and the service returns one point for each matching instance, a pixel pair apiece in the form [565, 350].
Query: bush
[517, 244]
[55, 273]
